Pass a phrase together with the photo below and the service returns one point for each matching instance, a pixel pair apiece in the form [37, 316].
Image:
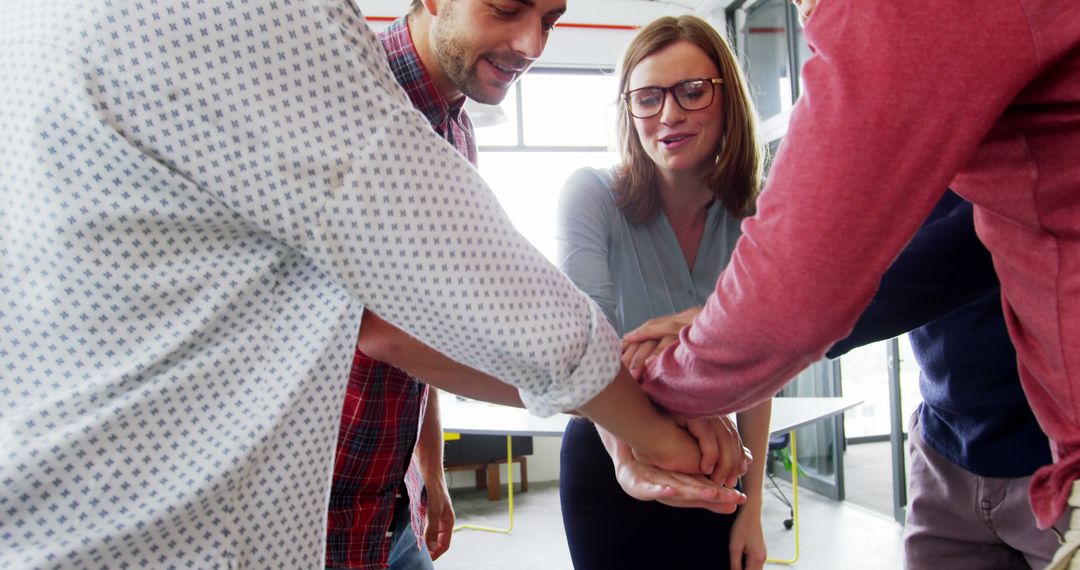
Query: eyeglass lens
[691, 95]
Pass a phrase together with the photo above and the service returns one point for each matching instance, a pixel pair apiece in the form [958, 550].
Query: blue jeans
[404, 555]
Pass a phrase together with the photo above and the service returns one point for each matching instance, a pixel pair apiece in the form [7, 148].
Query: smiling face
[678, 140]
[483, 46]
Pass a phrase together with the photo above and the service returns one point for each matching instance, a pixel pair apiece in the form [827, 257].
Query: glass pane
[817, 446]
[763, 38]
[569, 109]
[504, 133]
[528, 185]
[865, 375]
[801, 55]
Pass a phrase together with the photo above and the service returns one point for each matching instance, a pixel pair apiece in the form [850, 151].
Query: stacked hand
[723, 457]
[709, 486]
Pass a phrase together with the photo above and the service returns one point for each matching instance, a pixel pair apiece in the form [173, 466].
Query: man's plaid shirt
[384, 406]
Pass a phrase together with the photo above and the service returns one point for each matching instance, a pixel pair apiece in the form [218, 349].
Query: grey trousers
[959, 520]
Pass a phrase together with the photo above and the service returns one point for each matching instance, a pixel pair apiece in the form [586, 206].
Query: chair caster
[788, 523]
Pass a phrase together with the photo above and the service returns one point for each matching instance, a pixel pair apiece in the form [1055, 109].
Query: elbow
[376, 347]
[380, 341]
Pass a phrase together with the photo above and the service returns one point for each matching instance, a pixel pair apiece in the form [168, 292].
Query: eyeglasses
[691, 95]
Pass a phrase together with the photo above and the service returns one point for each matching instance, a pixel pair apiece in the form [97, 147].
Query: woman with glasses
[647, 239]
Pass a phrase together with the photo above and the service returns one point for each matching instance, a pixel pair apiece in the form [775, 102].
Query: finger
[741, 468]
[431, 539]
[681, 485]
[753, 560]
[735, 553]
[439, 541]
[702, 430]
[724, 440]
[661, 345]
[644, 350]
[659, 327]
[652, 330]
[628, 352]
[719, 508]
[442, 544]
[684, 492]
[698, 488]
[666, 342]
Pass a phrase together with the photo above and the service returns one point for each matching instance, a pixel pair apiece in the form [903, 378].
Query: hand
[747, 543]
[806, 8]
[642, 344]
[440, 517]
[680, 453]
[723, 457]
[650, 483]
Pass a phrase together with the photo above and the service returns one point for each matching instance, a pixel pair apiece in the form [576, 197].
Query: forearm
[754, 430]
[382, 341]
[429, 444]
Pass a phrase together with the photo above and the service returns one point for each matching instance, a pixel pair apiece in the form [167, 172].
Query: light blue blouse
[635, 271]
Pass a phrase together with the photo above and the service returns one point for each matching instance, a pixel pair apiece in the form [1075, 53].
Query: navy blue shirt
[973, 412]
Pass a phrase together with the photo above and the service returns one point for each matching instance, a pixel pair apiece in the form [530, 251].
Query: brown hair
[737, 176]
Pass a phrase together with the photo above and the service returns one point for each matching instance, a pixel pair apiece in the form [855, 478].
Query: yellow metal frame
[509, 493]
[794, 504]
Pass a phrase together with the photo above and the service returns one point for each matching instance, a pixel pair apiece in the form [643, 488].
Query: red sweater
[903, 99]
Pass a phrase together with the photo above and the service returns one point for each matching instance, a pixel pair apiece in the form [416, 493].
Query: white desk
[789, 414]
[481, 418]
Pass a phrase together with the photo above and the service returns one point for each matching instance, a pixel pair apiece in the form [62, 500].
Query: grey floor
[833, 535]
[869, 476]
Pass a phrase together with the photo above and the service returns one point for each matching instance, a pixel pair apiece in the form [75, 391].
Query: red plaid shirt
[384, 406]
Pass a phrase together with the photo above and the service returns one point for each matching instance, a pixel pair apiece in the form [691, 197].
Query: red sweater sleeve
[897, 97]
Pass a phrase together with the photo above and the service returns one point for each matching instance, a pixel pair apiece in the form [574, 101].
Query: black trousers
[610, 530]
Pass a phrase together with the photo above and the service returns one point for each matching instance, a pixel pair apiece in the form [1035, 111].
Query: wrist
[432, 477]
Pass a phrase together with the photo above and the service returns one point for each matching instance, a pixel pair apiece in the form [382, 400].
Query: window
[528, 185]
[557, 122]
[866, 376]
[763, 41]
[569, 110]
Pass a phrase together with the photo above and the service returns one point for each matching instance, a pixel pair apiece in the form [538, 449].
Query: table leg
[509, 493]
[794, 503]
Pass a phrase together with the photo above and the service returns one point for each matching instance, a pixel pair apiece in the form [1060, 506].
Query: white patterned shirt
[197, 201]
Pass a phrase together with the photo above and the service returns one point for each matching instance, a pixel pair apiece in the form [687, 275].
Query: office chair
[777, 443]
